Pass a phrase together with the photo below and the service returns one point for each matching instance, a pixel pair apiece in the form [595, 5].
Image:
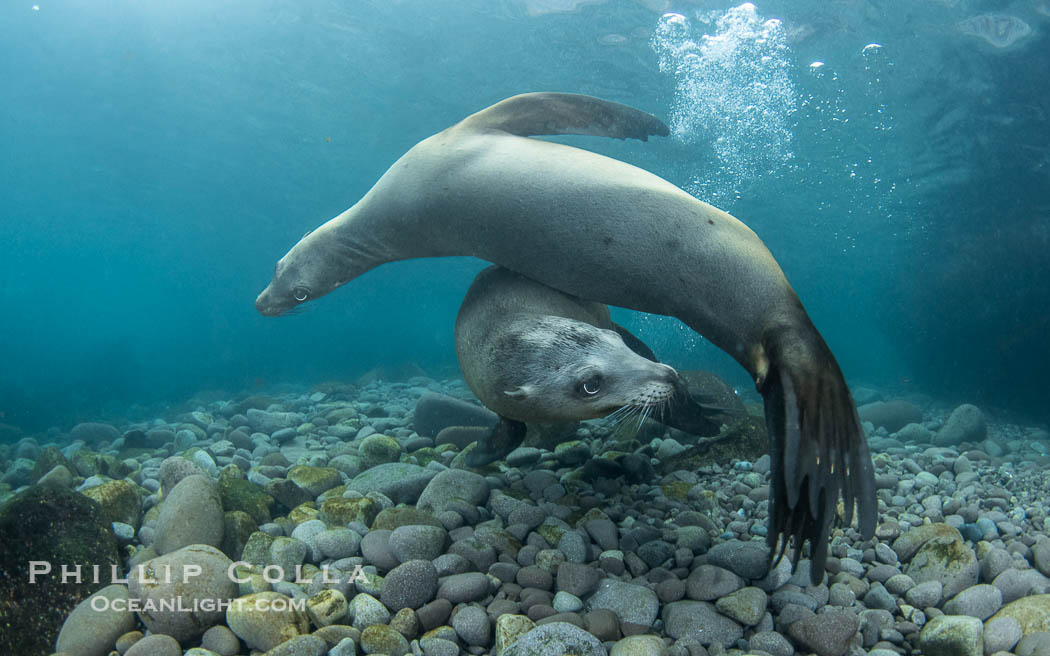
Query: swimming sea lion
[531, 353]
[604, 230]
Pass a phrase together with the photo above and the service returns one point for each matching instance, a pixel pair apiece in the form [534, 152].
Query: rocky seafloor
[356, 529]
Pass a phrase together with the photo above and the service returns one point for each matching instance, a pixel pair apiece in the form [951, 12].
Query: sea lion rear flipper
[817, 446]
[566, 113]
[506, 436]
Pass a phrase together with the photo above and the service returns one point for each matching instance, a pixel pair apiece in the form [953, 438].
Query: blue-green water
[156, 159]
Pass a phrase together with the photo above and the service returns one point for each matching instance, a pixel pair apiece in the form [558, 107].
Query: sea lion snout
[265, 304]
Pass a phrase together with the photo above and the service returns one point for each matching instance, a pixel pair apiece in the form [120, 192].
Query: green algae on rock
[61, 527]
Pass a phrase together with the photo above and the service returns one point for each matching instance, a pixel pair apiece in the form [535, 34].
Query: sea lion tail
[530, 114]
[817, 446]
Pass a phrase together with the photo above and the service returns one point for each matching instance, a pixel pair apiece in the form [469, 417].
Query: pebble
[155, 645]
[772, 643]
[948, 560]
[639, 645]
[828, 633]
[1001, 634]
[287, 554]
[264, 620]
[472, 626]
[952, 635]
[375, 547]
[453, 488]
[980, 601]
[368, 611]
[555, 639]
[401, 482]
[708, 583]
[338, 543]
[631, 603]
[746, 606]
[700, 620]
[303, 645]
[567, 603]
[410, 585]
[417, 542]
[221, 640]
[382, 639]
[462, 588]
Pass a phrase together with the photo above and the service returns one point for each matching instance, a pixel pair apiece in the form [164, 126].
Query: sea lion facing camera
[531, 353]
[604, 230]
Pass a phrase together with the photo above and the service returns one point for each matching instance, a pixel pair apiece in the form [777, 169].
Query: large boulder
[264, 620]
[96, 623]
[401, 481]
[92, 433]
[435, 412]
[947, 560]
[191, 514]
[891, 415]
[1032, 613]
[193, 577]
[952, 635]
[965, 424]
[453, 488]
[57, 526]
[120, 501]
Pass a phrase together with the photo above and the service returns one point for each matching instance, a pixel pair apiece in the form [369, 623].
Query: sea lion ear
[566, 113]
[520, 392]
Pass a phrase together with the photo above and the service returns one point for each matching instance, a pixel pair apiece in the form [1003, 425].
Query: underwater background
[158, 158]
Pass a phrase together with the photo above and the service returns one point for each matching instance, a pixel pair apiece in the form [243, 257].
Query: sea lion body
[604, 230]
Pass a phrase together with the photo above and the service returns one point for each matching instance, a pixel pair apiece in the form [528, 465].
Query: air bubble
[734, 93]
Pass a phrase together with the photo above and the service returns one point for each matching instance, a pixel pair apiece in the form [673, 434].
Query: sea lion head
[556, 370]
[311, 269]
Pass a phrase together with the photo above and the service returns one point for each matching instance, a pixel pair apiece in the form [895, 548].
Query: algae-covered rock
[947, 560]
[238, 528]
[379, 449]
[57, 526]
[266, 619]
[120, 501]
[1032, 613]
[48, 459]
[88, 463]
[315, 480]
[952, 635]
[239, 494]
[340, 512]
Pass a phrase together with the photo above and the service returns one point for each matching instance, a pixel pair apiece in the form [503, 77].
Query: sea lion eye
[591, 386]
[301, 294]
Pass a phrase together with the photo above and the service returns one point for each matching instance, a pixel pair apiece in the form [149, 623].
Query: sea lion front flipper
[506, 436]
[529, 114]
[817, 446]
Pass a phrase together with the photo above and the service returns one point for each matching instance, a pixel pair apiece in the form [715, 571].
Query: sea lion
[534, 354]
[604, 230]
